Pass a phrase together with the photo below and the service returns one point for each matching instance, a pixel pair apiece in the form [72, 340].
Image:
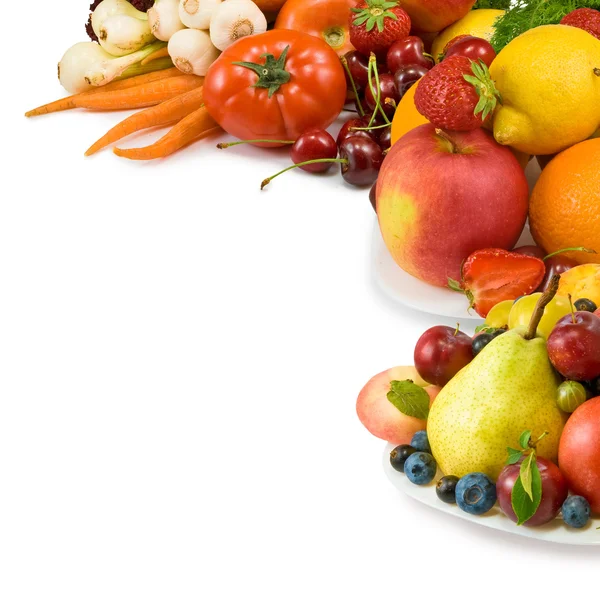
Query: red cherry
[409, 51]
[531, 250]
[312, 145]
[364, 158]
[354, 123]
[406, 77]
[388, 90]
[474, 48]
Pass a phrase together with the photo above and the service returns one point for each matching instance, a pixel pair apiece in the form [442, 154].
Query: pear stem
[538, 313]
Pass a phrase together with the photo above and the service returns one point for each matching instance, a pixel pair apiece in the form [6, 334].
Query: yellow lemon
[479, 23]
[549, 79]
[407, 117]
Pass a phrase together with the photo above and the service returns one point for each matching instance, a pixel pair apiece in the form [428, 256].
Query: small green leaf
[525, 439]
[455, 285]
[409, 398]
[514, 456]
[523, 505]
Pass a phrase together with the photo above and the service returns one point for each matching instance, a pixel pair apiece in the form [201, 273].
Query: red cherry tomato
[275, 86]
[325, 19]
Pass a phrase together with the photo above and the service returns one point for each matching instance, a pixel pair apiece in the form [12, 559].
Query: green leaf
[514, 456]
[524, 505]
[409, 398]
[525, 439]
[455, 285]
[527, 476]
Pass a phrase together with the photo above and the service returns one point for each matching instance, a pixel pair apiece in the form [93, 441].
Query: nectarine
[380, 416]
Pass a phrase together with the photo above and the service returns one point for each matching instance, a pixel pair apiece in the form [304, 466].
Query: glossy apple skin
[574, 347]
[380, 416]
[434, 15]
[441, 353]
[579, 452]
[554, 492]
[436, 207]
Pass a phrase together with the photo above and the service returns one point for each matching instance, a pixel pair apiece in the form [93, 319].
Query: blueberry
[399, 455]
[476, 493]
[585, 305]
[480, 342]
[576, 511]
[420, 442]
[420, 468]
[446, 489]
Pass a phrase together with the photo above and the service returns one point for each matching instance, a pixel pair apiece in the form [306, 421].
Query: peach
[581, 282]
[380, 416]
[443, 195]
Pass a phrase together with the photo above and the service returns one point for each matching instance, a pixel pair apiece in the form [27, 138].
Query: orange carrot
[166, 113]
[122, 84]
[191, 128]
[163, 52]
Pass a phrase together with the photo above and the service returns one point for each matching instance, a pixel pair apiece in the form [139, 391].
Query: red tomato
[325, 19]
[289, 82]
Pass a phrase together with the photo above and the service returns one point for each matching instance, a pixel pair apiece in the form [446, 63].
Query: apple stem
[538, 313]
[224, 145]
[344, 62]
[578, 249]
[449, 141]
[341, 161]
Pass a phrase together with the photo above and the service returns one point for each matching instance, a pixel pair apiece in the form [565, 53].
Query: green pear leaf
[409, 398]
[526, 506]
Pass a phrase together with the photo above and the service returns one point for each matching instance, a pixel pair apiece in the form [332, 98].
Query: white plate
[416, 294]
[556, 532]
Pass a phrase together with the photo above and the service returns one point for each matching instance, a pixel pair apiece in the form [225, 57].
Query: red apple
[574, 346]
[380, 416]
[579, 452]
[554, 492]
[443, 195]
[441, 353]
[434, 15]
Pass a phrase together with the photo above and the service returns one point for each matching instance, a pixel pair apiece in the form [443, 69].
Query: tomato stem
[268, 180]
[222, 145]
[272, 74]
[344, 62]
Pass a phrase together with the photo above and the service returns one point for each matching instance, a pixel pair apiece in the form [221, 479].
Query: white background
[180, 358]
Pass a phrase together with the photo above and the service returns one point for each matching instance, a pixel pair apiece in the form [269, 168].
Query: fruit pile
[510, 415]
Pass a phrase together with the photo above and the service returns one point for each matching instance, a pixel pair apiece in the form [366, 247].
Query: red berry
[409, 51]
[458, 94]
[587, 19]
[451, 43]
[314, 144]
[387, 90]
[474, 48]
[376, 24]
[364, 158]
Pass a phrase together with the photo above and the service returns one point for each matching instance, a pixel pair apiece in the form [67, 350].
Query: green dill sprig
[527, 14]
[496, 4]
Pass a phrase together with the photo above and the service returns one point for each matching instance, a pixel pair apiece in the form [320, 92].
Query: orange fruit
[564, 210]
[407, 117]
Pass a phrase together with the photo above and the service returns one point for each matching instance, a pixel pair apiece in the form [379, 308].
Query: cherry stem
[384, 126]
[222, 146]
[344, 61]
[578, 249]
[342, 161]
[456, 330]
[378, 108]
[538, 313]
[572, 308]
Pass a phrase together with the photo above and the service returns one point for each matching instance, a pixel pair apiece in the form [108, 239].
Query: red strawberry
[376, 24]
[587, 19]
[458, 94]
[493, 275]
